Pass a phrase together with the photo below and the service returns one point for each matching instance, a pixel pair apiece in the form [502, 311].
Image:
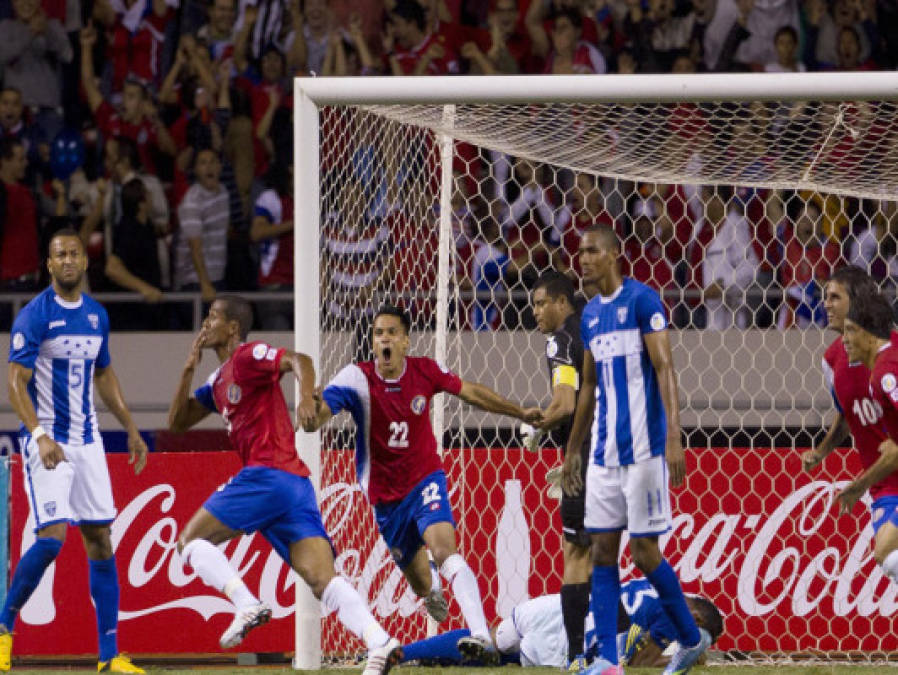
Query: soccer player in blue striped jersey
[59, 353]
[628, 403]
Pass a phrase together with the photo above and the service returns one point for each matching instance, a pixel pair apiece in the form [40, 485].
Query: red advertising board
[751, 531]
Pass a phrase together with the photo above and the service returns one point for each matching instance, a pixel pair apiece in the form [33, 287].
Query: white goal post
[503, 114]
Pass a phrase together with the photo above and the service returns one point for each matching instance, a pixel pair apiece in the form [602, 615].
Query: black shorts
[572, 509]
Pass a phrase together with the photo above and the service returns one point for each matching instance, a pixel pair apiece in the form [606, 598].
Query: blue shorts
[402, 522]
[884, 510]
[281, 505]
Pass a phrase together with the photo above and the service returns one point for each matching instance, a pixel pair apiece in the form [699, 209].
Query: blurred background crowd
[162, 131]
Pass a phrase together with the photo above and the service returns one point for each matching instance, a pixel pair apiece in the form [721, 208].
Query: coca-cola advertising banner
[751, 531]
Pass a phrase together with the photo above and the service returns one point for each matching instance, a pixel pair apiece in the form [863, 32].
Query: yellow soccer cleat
[119, 664]
[5, 650]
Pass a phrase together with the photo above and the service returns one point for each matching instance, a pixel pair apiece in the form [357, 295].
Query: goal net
[734, 196]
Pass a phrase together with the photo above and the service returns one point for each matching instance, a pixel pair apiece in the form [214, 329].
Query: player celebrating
[629, 399]
[553, 307]
[849, 382]
[272, 493]
[58, 353]
[534, 634]
[400, 471]
[866, 334]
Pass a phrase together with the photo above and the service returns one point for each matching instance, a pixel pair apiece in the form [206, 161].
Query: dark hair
[410, 10]
[874, 314]
[65, 232]
[238, 309]
[606, 235]
[788, 30]
[855, 280]
[278, 177]
[711, 618]
[133, 193]
[8, 145]
[556, 285]
[128, 151]
[8, 87]
[392, 310]
[572, 15]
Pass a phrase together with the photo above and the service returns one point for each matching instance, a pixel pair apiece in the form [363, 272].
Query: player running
[867, 335]
[554, 305]
[629, 401]
[58, 356]
[272, 493]
[400, 471]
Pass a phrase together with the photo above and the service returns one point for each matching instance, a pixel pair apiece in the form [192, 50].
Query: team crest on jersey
[551, 347]
[94, 321]
[621, 314]
[888, 382]
[18, 341]
[234, 394]
[657, 321]
[418, 404]
[259, 352]
[50, 508]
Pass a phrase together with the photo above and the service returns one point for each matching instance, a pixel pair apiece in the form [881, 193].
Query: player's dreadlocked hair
[709, 617]
[556, 285]
[855, 280]
[239, 310]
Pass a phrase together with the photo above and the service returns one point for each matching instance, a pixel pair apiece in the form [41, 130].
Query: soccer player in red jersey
[400, 471]
[272, 493]
[867, 336]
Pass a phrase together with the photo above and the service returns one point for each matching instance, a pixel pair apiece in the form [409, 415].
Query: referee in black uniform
[554, 307]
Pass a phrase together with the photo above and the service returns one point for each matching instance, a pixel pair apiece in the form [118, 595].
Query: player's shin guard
[574, 605]
[104, 592]
[890, 566]
[464, 586]
[353, 613]
[214, 569]
[27, 576]
[603, 601]
[670, 594]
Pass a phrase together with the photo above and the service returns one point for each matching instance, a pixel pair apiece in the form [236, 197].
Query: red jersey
[111, 124]
[395, 445]
[19, 240]
[850, 387]
[246, 390]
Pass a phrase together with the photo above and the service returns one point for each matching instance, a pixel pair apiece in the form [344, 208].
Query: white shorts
[634, 497]
[78, 490]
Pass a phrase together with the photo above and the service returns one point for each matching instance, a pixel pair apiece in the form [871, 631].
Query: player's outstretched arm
[658, 345]
[485, 398]
[185, 410]
[571, 480]
[110, 391]
[562, 406]
[304, 371]
[886, 463]
[838, 432]
[18, 377]
[322, 414]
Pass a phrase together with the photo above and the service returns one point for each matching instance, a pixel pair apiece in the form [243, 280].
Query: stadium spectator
[730, 265]
[644, 256]
[271, 109]
[565, 51]
[808, 262]
[138, 118]
[20, 240]
[272, 230]
[823, 32]
[786, 43]
[657, 34]
[219, 34]
[201, 244]
[32, 48]
[875, 249]
[492, 270]
[763, 19]
[411, 49]
[587, 209]
[14, 123]
[509, 51]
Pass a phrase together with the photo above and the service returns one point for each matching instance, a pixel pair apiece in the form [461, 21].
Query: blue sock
[442, 647]
[104, 591]
[603, 602]
[665, 581]
[27, 576]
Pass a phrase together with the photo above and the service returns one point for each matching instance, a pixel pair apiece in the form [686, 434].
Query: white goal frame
[312, 93]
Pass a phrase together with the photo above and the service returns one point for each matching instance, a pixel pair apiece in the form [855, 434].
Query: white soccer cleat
[244, 621]
[686, 657]
[436, 605]
[603, 667]
[381, 659]
[473, 648]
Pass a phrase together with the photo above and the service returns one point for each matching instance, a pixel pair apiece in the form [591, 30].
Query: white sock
[213, 568]
[890, 566]
[464, 586]
[353, 613]
[435, 583]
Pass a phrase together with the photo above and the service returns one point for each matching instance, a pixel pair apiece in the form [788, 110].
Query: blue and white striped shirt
[630, 424]
[62, 342]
